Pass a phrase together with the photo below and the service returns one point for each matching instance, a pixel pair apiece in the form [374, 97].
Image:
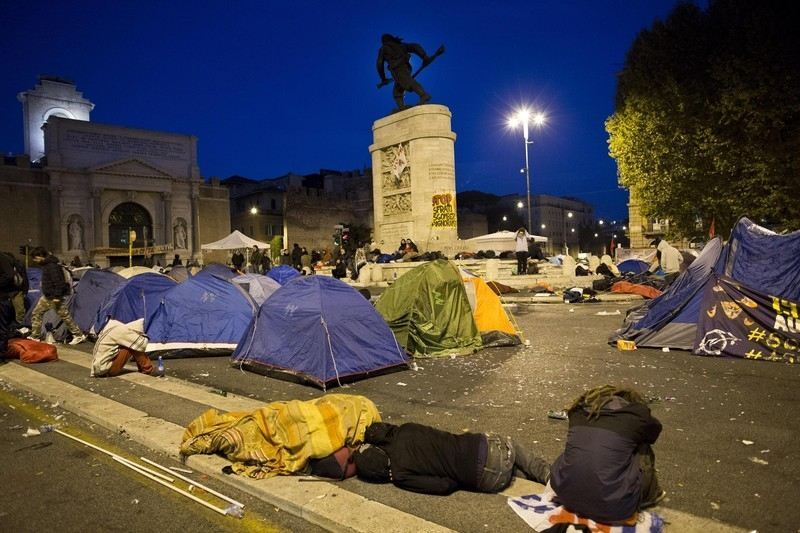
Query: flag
[711, 231]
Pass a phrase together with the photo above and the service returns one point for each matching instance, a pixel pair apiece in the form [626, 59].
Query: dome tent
[429, 312]
[204, 315]
[319, 330]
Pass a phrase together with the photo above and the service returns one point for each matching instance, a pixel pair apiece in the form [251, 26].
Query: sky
[275, 87]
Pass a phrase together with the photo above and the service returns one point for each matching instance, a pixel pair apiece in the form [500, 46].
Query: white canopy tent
[499, 241]
[234, 241]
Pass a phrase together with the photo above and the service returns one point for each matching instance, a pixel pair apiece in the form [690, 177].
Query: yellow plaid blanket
[280, 438]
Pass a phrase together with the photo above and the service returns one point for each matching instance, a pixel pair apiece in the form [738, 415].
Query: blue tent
[204, 315]
[754, 256]
[259, 287]
[136, 297]
[90, 293]
[219, 270]
[321, 330]
[283, 274]
[633, 266]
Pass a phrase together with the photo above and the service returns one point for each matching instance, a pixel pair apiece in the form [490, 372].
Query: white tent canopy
[234, 241]
[499, 241]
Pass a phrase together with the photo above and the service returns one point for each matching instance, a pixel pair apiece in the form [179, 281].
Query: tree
[707, 119]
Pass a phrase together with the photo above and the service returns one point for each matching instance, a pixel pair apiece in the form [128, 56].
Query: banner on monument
[149, 250]
[444, 210]
[741, 322]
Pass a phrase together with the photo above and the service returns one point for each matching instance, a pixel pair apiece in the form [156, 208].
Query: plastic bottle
[160, 367]
[235, 511]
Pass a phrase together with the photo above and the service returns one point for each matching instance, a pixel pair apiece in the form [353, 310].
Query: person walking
[54, 288]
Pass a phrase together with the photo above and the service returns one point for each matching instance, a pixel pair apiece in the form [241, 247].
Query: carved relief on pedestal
[397, 204]
[396, 167]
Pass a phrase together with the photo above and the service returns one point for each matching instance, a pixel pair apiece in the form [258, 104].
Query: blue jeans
[499, 467]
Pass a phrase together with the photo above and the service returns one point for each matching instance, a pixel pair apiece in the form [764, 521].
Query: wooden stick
[173, 487]
[195, 483]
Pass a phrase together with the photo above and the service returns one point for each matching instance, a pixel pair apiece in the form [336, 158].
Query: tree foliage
[707, 118]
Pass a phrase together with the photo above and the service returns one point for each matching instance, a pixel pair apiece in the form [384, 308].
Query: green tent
[429, 313]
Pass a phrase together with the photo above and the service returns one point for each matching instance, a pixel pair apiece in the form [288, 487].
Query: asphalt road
[51, 482]
[728, 450]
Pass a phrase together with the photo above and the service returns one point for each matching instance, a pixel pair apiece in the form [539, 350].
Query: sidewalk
[328, 505]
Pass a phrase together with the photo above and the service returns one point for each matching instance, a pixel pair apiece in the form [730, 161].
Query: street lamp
[525, 117]
[254, 210]
[566, 247]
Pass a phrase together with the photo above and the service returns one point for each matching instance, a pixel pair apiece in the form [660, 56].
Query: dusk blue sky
[273, 87]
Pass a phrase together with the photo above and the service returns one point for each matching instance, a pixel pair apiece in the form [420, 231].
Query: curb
[321, 503]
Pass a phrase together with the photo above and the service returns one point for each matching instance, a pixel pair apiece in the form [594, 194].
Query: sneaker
[23, 331]
[77, 339]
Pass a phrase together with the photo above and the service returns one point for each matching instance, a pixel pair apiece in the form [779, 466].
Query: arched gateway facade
[92, 181]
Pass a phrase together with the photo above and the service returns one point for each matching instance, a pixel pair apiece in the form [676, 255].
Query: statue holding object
[397, 56]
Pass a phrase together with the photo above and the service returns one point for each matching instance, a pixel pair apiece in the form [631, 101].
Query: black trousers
[522, 262]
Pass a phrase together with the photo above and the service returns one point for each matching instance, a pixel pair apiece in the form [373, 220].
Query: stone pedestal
[414, 181]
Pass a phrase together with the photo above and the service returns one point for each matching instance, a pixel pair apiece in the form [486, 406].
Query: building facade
[302, 209]
[100, 192]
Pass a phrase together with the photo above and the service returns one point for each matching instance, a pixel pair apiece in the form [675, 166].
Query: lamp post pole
[527, 171]
[524, 118]
[564, 216]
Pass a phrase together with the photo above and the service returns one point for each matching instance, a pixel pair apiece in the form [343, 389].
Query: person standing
[266, 262]
[14, 286]
[296, 253]
[238, 260]
[521, 248]
[54, 288]
[255, 260]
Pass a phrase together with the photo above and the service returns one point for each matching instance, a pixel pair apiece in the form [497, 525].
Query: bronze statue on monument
[397, 56]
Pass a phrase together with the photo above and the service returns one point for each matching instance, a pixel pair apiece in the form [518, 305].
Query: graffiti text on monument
[91, 141]
[397, 204]
[444, 211]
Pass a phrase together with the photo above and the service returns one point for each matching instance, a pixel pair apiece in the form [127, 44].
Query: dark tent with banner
[204, 315]
[320, 330]
[755, 265]
[429, 312]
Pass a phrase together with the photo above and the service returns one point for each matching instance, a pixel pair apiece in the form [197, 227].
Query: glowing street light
[525, 117]
[254, 210]
[505, 218]
[520, 204]
[564, 234]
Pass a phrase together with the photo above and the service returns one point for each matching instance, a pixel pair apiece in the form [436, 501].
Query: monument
[413, 161]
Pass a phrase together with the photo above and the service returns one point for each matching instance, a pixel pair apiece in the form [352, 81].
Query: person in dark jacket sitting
[607, 471]
[428, 460]
[54, 288]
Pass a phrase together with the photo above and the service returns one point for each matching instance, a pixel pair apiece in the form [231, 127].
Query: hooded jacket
[598, 474]
[428, 460]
